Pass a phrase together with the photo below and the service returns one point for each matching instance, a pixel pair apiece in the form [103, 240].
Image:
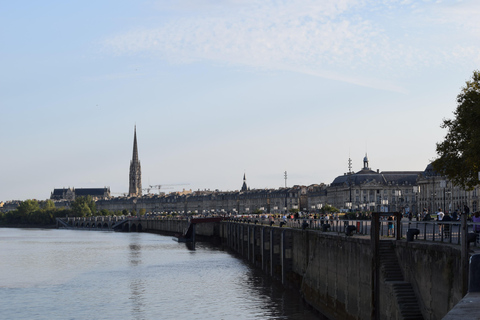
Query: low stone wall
[433, 270]
[336, 272]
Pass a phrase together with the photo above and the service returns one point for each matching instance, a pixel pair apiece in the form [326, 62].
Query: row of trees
[33, 212]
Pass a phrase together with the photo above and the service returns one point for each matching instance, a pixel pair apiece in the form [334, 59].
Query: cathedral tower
[244, 186]
[135, 185]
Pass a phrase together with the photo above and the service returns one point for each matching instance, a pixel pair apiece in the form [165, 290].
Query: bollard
[304, 225]
[411, 233]
[474, 274]
[349, 230]
[325, 227]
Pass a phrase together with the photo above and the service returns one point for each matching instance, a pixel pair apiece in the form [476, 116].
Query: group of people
[446, 217]
[440, 215]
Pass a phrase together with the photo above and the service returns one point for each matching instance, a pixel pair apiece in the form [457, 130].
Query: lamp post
[416, 191]
[443, 184]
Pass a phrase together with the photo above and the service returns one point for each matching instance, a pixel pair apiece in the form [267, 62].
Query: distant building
[135, 181]
[369, 190]
[70, 194]
[437, 192]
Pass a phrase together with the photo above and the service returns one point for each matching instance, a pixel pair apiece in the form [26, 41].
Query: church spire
[135, 182]
[135, 149]
[244, 186]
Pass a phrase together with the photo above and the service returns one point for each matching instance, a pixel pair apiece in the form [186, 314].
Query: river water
[70, 274]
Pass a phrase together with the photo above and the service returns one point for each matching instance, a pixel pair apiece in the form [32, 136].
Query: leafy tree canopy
[83, 206]
[28, 206]
[459, 154]
[49, 205]
[329, 209]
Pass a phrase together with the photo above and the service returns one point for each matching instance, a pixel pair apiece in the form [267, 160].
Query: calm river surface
[69, 274]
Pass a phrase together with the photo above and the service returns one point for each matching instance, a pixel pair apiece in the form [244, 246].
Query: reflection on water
[137, 283]
[63, 274]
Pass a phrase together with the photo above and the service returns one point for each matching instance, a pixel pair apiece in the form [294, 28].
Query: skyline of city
[222, 89]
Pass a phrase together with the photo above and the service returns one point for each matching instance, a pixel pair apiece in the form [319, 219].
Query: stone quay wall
[333, 272]
[434, 271]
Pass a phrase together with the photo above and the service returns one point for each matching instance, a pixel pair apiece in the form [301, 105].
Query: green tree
[28, 206]
[459, 154]
[49, 205]
[329, 209]
[83, 206]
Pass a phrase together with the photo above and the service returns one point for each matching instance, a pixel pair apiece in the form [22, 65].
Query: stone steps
[403, 291]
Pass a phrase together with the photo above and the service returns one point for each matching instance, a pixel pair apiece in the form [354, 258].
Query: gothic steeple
[135, 185]
[244, 186]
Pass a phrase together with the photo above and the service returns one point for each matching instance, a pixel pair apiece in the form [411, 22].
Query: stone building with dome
[369, 190]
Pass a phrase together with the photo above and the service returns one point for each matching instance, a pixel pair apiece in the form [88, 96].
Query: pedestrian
[390, 226]
[440, 216]
[446, 227]
[466, 210]
[476, 221]
[455, 215]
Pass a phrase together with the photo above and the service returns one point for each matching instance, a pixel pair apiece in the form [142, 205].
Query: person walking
[446, 227]
[476, 221]
[390, 226]
[440, 216]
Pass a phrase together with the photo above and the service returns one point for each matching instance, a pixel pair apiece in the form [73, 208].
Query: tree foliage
[329, 209]
[459, 154]
[83, 207]
[28, 206]
[43, 213]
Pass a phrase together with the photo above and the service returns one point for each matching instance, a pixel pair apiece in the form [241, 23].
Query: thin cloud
[355, 41]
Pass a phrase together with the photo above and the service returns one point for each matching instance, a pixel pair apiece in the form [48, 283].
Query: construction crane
[147, 189]
[168, 186]
[121, 193]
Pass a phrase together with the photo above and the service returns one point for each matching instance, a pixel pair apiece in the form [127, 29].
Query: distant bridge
[112, 223]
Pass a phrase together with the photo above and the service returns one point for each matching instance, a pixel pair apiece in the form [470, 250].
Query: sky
[219, 89]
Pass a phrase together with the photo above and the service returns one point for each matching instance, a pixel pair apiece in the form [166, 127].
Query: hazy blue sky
[222, 88]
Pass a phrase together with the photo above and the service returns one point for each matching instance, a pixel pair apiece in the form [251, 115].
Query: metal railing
[437, 231]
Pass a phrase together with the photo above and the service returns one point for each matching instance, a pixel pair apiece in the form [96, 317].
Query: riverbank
[29, 226]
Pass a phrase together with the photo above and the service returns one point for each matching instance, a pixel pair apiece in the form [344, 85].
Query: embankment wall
[333, 272]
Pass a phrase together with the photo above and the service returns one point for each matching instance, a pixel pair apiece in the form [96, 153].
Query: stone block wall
[336, 272]
[434, 271]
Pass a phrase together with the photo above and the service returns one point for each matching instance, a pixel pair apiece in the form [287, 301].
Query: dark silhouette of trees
[459, 154]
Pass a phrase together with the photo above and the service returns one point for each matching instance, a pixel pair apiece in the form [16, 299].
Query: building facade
[437, 192]
[369, 190]
[69, 194]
